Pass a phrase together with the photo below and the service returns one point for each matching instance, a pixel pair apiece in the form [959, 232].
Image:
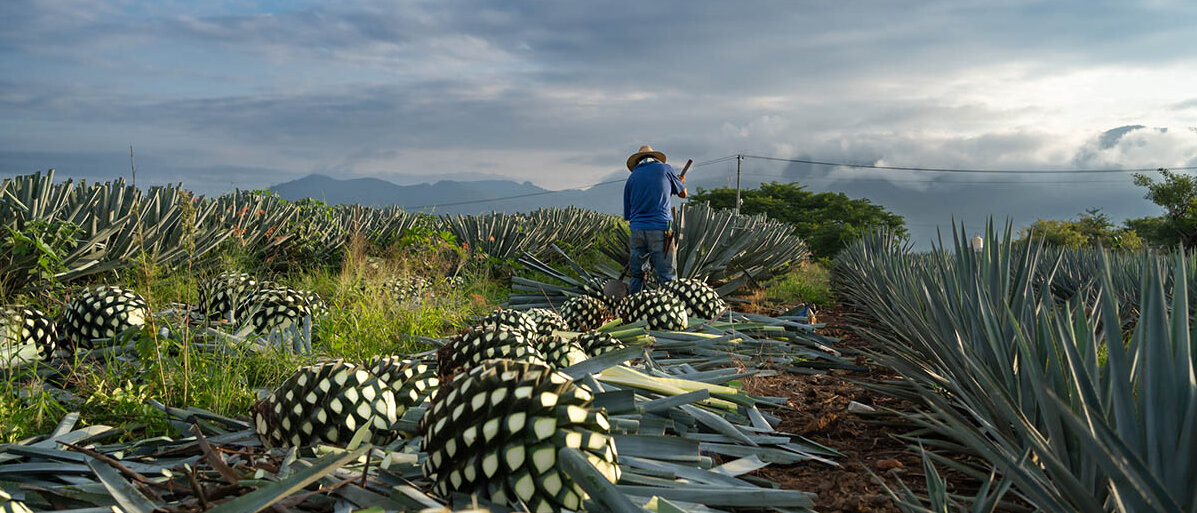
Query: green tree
[828, 221]
[1091, 228]
[1177, 194]
[1055, 232]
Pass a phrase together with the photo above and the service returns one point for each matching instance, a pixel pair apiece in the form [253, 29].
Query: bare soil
[869, 442]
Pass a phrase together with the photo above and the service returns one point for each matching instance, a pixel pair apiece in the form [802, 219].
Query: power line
[952, 170]
[542, 193]
[729, 158]
[901, 180]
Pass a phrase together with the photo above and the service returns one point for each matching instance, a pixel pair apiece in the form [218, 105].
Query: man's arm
[677, 185]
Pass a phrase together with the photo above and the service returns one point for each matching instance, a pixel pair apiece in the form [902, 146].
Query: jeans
[650, 244]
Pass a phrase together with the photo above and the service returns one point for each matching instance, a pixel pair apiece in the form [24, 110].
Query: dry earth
[820, 413]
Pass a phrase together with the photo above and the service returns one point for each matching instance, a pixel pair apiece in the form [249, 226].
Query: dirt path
[821, 404]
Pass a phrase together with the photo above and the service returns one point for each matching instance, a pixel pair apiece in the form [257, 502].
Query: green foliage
[1176, 193]
[27, 407]
[1092, 228]
[827, 221]
[45, 244]
[808, 283]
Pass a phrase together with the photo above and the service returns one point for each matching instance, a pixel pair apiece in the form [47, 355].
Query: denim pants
[650, 245]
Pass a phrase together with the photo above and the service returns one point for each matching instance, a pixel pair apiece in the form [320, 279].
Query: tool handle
[686, 168]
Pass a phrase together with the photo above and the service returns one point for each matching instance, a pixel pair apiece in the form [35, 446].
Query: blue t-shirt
[646, 195]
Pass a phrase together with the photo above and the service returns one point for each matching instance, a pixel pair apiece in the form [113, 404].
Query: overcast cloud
[223, 94]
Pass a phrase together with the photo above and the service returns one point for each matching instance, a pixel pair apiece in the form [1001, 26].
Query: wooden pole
[738, 159]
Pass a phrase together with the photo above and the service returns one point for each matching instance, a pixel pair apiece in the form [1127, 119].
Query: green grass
[808, 283]
[362, 323]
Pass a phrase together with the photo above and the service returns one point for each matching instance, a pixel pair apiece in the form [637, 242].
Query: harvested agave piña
[102, 313]
[700, 299]
[496, 430]
[583, 313]
[595, 343]
[21, 326]
[560, 352]
[662, 310]
[276, 309]
[413, 381]
[226, 294]
[327, 403]
[547, 321]
[485, 343]
[513, 319]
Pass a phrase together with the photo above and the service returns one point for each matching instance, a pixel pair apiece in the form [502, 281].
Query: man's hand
[682, 194]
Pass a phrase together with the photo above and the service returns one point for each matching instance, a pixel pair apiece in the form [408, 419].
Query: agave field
[163, 352]
[1067, 376]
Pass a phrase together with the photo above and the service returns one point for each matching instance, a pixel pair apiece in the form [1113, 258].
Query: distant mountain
[450, 197]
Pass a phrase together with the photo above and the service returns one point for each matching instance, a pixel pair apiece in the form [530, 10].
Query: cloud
[560, 92]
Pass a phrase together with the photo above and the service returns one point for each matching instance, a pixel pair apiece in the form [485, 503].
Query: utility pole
[738, 159]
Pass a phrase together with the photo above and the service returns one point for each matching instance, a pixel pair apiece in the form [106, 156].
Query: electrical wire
[951, 170]
[901, 180]
[542, 193]
[729, 158]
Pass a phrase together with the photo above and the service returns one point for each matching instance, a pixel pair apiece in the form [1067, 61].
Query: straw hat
[645, 151]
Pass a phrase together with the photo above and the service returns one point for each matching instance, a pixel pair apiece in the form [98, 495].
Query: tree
[1055, 232]
[1092, 228]
[1177, 194]
[828, 221]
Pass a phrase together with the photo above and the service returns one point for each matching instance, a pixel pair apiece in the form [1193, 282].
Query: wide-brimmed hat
[645, 151]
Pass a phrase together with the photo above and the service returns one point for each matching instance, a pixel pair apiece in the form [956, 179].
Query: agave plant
[1016, 375]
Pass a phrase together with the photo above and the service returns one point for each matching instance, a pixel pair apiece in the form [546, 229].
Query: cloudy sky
[223, 94]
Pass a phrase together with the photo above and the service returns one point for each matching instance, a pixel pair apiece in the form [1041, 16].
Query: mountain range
[451, 197]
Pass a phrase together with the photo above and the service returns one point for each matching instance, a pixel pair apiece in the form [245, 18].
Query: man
[646, 208]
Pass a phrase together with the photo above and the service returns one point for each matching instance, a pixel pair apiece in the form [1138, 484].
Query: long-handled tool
[615, 290]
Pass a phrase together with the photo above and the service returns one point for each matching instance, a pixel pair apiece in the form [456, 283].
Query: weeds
[363, 322]
[808, 283]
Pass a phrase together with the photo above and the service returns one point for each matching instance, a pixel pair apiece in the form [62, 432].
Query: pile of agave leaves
[687, 440]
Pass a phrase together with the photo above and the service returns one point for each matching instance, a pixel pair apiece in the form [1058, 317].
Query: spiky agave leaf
[326, 403]
[700, 299]
[8, 504]
[412, 380]
[273, 309]
[584, 313]
[547, 321]
[662, 310]
[595, 343]
[20, 325]
[486, 343]
[225, 293]
[101, 313]
[495, 432]
[513, 319]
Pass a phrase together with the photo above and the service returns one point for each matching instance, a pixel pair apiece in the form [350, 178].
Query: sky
[225, 94]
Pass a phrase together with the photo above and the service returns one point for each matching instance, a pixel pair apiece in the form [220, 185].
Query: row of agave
[97, 228]
[1073, 382]
[722, 246]
[714, 246]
